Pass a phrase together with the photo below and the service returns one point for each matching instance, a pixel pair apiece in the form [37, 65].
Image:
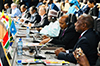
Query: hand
[44, 37]
[98, 54]
[57, 51]
[21, 20]
[44, 41]
[82, 60]
[29, 24]
[98, 6]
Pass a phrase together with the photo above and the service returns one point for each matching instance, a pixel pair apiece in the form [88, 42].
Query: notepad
[34, 31]
[32, 44]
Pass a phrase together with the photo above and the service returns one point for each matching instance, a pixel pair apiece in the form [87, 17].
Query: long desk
[26, 50]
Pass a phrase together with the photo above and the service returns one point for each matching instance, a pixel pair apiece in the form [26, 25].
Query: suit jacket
[9, 11]
[94, 11]
[53, 6]
[35, 18]
[88, 42]
[26, 15]
[43, 22]
[85, 9]
[69, 38]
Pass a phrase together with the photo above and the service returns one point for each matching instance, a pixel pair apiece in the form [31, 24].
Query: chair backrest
[72, 18]
[97, 25]
[59, 14]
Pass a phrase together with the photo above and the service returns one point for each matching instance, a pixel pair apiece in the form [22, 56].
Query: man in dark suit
[25, 13]
[67, 37]
[52, 5]
[8, 9]
[35, 17]
[94, 11]
[88, 41]
[44, 18]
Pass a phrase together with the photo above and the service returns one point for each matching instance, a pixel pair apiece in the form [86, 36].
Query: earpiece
[53, 18]
[67, 21]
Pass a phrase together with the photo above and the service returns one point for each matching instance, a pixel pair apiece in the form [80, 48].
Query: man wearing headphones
[53, 28]
[67, 37]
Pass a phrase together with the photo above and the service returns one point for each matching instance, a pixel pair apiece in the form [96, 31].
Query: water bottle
[19, 47]
[28, 31]
[19, 63]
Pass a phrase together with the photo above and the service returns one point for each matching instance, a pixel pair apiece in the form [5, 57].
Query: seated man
[88, 41]
[67, 37]
[44, 18]
[25, 13]
[85, 9]
[94, 10]
[35, 17]
[73, 4]
[8, 9]
[53, 29]
[15, 11]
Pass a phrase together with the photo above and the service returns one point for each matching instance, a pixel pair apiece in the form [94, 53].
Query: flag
[2, 15]
[7, 18]
[13, 28]
[3, 56]
[9, 21]
[7, 41]
[0, 62]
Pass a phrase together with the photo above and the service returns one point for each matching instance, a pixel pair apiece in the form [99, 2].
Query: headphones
[53, 18]
[67, 21]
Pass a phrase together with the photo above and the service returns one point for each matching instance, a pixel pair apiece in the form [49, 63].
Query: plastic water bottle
[19, 63]
[28, 31]
[19, 47]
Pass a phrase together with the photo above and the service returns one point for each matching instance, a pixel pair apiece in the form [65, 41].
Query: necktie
[80, 36]
[23, 14]
[63, 32]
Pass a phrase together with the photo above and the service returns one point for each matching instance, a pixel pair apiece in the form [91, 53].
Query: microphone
[45, 44]
[40, 56]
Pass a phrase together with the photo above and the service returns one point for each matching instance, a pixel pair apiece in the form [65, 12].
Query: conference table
[27, 44]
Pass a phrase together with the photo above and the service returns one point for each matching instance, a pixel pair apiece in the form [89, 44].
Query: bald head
[64, 18]
[87, 19]
[62, 22]
[83, 23]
